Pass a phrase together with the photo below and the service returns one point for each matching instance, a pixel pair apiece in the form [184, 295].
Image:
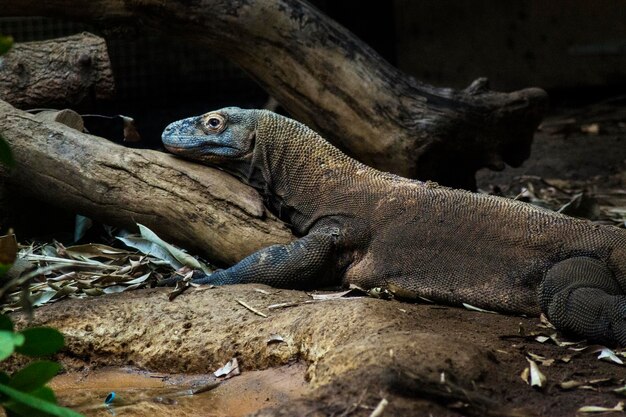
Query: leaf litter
[50, 272]
[583, 199]
[534, 375]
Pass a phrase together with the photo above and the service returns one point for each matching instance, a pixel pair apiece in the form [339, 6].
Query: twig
[378, 411]
[290, 304]
[254, 310]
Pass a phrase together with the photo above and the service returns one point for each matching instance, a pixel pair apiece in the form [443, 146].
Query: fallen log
[197, 207]
[326, 77]
[56, 73]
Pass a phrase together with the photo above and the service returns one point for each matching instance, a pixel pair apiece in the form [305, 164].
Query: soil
[357, 350]
[142, 393]
[353, 353]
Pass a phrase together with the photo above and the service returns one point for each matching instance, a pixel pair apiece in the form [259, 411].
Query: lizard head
[223, 138]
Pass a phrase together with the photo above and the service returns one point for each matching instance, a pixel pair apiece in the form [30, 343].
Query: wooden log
[197, 207]
[56, 73]
[326, 77]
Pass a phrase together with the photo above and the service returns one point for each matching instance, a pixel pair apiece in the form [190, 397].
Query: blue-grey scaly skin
[374, 229]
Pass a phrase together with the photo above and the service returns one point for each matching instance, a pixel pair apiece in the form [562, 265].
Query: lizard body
[374, 229]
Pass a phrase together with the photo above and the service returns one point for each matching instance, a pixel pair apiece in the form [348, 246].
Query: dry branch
[326, 77]
[198, 207]
[59, 72]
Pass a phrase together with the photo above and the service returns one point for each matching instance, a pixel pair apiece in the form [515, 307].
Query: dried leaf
[114, 289]
[333, 296]
[289, 304]
[181, 286]
[525, 374]
[182, 257]
[535, 378]
[598, 409]
[67, 290]
[64, 262]
[81, 225]
[382, 293]
[42, 298]
[567, 385]
[138, 280]
[149, 248]
[590, 129]
[605, 353]
[94, 292]
[380, 408]
[609, 356]
[563, 343]
[229, 370]
[471, 307]
[94, 250]
[536, 357]
[64, 277]
[275, 338]
[544, 322]
[541, 359]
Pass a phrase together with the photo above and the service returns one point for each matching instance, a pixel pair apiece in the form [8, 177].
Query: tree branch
[195, 206]
[329, 79]
[59, 72]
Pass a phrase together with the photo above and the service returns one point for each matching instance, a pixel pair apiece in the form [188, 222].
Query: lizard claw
[200, 277]
[196, 276]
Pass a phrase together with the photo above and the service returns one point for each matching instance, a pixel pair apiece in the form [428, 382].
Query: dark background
[575, 49]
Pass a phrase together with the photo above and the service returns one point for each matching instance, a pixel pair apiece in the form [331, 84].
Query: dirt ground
[355, 352]
[423, 359]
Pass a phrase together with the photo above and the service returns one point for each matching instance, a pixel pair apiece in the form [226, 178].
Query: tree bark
[56, 73]
[327, 78]
[199, 208]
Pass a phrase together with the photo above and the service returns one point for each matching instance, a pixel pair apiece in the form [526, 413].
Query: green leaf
[6, 155]
[33, 405]
[6, 42]
[41, 341]
[16, 409]
[6, 323]
[9, 341]
[45, 393]
[34, 376]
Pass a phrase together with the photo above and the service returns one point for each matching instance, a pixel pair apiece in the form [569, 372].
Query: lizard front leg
[304, 263]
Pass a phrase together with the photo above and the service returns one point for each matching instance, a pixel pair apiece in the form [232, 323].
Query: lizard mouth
[205, 148]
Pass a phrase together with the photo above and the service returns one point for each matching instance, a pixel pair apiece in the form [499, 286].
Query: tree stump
[60, 72]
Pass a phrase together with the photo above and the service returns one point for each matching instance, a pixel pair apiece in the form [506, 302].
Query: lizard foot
[581, 296]
[198, 277]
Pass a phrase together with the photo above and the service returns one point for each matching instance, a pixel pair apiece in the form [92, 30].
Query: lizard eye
[214, 122]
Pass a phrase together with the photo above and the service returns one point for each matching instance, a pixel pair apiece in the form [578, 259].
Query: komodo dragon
[374, 229]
